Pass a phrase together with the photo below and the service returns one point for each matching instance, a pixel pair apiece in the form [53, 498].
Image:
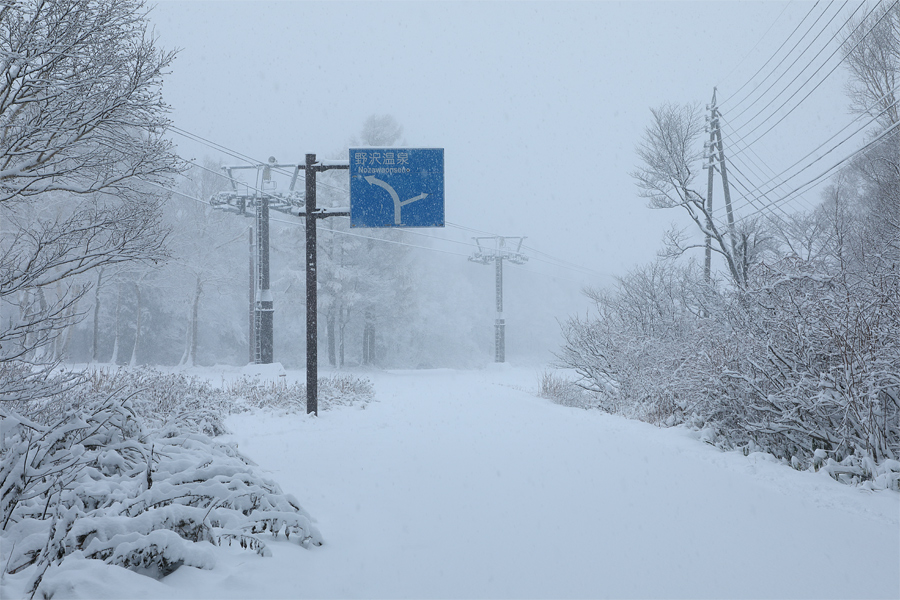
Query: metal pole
[252, 335]
[257, 335]
[312, 359]
[266, 302]
[498, 254]
[499, 325]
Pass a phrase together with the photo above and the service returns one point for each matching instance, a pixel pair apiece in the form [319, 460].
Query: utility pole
[312, 213]
[497, 255]
[716, 129]
[709, 154]
[716, 146]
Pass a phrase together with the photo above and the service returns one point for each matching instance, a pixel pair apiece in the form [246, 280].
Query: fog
[539, 107]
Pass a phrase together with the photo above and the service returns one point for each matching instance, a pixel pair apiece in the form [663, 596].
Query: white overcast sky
[538, 105]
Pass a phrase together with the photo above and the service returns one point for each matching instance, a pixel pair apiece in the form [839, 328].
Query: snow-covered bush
[803, 360]
[564, 391]
[156, 397]
[821, 365]
[639, 355]
[122, 468]
[336, 390]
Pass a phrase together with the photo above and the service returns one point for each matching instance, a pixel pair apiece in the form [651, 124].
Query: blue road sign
[396, 187]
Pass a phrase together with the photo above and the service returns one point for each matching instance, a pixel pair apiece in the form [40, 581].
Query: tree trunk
[41, 350]
[95, 339]
[114, 359]
[192, 357]
[329, 327]
[368, 341]
[344, 318]
[187, 344]
[137, 329]
[62, 342]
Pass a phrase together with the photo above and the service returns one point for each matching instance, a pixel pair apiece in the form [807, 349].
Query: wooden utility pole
[715, 127]
[710, 166]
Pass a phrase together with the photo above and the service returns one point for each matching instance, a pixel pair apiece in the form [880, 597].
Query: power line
[827, 75]
[890, 130]
[757, 193]
[762, 37]
[748, 195]
[758, 190]
[242, 157]
[225, 150]
[771, 58]
[235, 154]
[740, 156]
[783, 182]
[552, 260]
[794, 62]
[469, 229]
[394, 242]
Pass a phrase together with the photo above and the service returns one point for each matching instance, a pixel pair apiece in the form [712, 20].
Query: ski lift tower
[255, 201]
[501, 250]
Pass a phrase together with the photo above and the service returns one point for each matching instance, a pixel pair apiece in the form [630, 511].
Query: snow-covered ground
[463, 484]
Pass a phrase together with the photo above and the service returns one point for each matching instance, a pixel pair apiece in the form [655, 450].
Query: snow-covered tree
[671, 159]
[208, 254]
[82, 123]
[80, 99]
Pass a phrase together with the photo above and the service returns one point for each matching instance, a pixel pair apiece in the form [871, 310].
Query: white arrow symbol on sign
[398, 204]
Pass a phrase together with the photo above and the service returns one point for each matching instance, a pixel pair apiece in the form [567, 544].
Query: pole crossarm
[322, 213]
[243, 197]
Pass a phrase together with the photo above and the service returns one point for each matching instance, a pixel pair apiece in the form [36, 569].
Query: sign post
[389, 187]
[312, 214]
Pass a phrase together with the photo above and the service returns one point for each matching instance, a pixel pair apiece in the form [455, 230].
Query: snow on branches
[801, 364]
[123, 468]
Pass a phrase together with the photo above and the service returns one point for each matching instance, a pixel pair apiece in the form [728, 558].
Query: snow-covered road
[461, 484]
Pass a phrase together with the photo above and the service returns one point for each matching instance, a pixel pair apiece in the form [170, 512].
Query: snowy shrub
[131, 477]
[802, 362]
[638, 354]
[563, 391]
[156, 397]
[163, 398]
[821, 368]
[336, 390]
